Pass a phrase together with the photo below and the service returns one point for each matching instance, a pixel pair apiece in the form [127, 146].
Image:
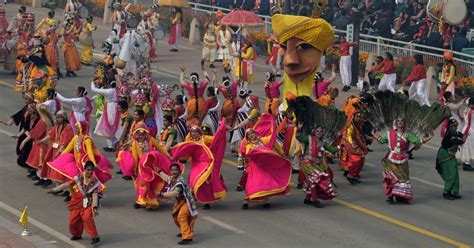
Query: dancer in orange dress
[71, 55]
[84, 203]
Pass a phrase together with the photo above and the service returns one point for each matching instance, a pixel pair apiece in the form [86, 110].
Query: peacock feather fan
[385, 106]
[313, 115]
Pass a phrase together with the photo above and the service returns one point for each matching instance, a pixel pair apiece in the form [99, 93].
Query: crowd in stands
[404, 20]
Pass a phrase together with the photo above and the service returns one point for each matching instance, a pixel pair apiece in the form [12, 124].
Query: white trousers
[388, 82]
[345, 66]
[417, 92]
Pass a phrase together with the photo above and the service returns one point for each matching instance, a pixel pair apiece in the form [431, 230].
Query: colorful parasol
[241, 17]
[174, 3]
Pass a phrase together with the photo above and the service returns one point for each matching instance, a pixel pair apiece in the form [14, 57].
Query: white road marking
[6, 132]
[222, 224]
[41, 226]
[413, 178]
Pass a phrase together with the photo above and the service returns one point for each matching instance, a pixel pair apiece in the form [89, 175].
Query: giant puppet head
[304, 40]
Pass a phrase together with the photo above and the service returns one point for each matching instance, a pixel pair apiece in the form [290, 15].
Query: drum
[451, 11]
[159, 33]
[83, 12]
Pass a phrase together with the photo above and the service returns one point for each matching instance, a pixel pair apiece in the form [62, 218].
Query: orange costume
[84, 199]
[71, 55]
[51, 49]
[354, 148]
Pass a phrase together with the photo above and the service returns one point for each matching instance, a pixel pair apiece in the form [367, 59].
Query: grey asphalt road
[359, 217]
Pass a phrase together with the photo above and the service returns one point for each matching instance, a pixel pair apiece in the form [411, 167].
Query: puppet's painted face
[301, 59]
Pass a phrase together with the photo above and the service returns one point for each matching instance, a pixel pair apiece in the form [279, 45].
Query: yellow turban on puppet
[316, 32]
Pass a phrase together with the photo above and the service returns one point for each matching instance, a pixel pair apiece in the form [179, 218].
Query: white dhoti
[417, 92]
[388, 82]
[345, 64]
[209, 54]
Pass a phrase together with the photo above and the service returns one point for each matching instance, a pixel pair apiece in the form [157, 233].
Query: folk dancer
[396, 171]
[176, 28]
[264, 159]
[448, 73]
[84, 203]
[206, 154]
[248, 56]
[47, 22]
[51, 48]
[145, 156]
[353, 149]
[36, 158]
[184, 210]
[274, 54]
[272, 91]
[81, 105]
[466, 153]
[119, 18]
[78, 152]
[209, 47]
[56, 140]
[195, 89]
[389, 74]
[223, 41]
[345, 63]
[417, 78]
[71, 55]
[446, 162]
[318, 175]
[108, 123]
[87, 42]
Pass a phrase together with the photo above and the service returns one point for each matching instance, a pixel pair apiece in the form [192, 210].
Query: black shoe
[73, 74]
[410, 156]
[267, 205]
[345, 173]
[68, 74]
[179, 235]
[330, 160]
[119, 172]
[448, 196]
[35, 178]
[346, 88]
[95, 241]
[467, 167]
[390, 199]
[307, 202]
[137, 206]
[295, 171]
[67, 199]
[32, 174]
[206, 207]
[212, 66]
[58, 193]
[245, 206]
[185, 242]
[318, 204]
[127, 178]
[299, 186]
[39, 183]
[240, 167]
[65, 193]
[73, 238]
[46, 184]
[351, 180]
[60, 75]
[456, 196]
[369, 150]
[239, 188]
[108, 149]
[173, 50]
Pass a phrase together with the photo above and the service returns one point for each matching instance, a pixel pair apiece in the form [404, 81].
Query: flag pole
[24, 222]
